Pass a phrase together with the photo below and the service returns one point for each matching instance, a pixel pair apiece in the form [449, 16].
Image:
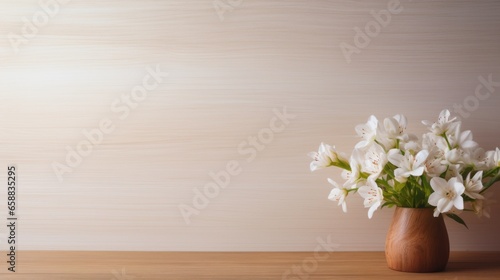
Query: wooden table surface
[188, 265]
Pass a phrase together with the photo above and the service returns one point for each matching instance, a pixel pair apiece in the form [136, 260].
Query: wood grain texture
[278, 265]
[417, 241]
[225, 79]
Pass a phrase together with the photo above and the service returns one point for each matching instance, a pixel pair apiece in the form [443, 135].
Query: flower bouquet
[445, 169]
[443, 172]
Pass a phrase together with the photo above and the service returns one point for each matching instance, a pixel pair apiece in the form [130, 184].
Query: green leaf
[399, 186]
[387, 204]
[426, 186]
[457, 219]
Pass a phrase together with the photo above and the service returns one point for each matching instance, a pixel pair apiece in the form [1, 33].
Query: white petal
[361, 144]
[474, 195]
[438, 183]
[334, 193]
[363, 191]
[400, 172]
[444, 115]
[395, 157]
[458, 187]
[333, 183]
[436, 212]
[434, 198]
[417, 172]
[372, 209]
[496, 157]
[459, 203]
[444, 205]
[421, 157]
[312, 154]
[322, 148]
[344, 207]
[314, 166]
[478, 176]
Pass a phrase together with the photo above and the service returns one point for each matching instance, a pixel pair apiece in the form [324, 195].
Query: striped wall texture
[120, 115]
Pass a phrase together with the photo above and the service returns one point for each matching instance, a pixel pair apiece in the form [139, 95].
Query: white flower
[464, 140]
[430, 141]
[448, 157]
[374, 160]
[453, 157]
[492, 159]
[326, 156]
[462, 147]
[453, 171]
[474, 186]
[443, 125]
[353, 178]
[408, 164]
[434, 168]
[338, 194]
[391, 130]
[433, 165]
[475, 158]
[482, 206]
[395, 126]
[367, 131]
[373, 196]
[446, 195]
[496, 157]
[410, 142]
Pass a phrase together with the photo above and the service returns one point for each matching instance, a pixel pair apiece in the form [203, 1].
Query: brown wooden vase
[417, 241]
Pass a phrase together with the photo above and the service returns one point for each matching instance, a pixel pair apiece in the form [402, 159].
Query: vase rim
[426, 209]
[431, 207]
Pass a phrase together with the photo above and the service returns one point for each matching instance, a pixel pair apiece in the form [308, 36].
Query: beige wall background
[231, 65]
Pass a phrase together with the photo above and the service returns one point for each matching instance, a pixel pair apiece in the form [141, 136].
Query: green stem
[383, 183]
[490, 172]
[491, 181]
[447, 142]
